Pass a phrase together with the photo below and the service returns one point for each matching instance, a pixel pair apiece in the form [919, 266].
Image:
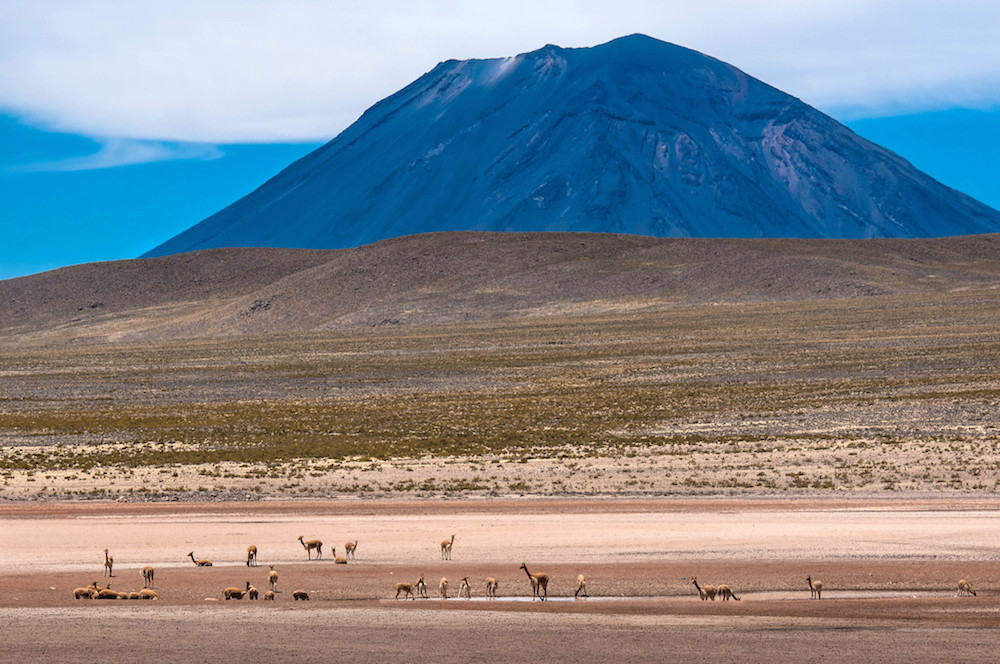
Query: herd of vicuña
[539, 581]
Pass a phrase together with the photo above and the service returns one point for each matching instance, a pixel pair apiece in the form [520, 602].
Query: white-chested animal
[272, 579]
[202, 562]
[421, 587]
[446, 548]
[581, 586]
[964, 588]
[725, 593]
[251, 556]
[300, 594]
[350, 550]
[465, 590]
[148, 593]
[539, 584]
[405, 588]
[312, 545]
[443, 587]
[815, 588]
[491, 588]
[705, 592]
[252, 591]
[269, 595]
[337, 560]
[147, 573]
[234, 593]
[109, 564]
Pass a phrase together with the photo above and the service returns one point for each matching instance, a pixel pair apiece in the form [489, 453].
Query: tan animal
[203, 562]
[491, 588]
[147, 593]
[109, 564]
[421, 587]
[252, 592]
[272, 579]
[539, 584]
[406, 589]
[300, 594]
[251, 556]
[147, 573]
[337, 560]
[465, 590]
[581, 586]
[705, 592]
[965, 589]
[349, 550]
[312, 545]
[87, 592]
[443, 587]
[106, 593]
[234, 593]
[269, 595]
[446, 548]
[815, 588]
[725, 593]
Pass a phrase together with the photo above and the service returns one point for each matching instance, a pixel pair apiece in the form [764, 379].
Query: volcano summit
[633, 136]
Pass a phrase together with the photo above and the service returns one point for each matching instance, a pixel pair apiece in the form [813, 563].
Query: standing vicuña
[443, 586]
[109, 563]
[310, 545]
[725, 592]
[446, 548]
[539, 584]
[706, 592]
[147, 576]
[491, 588]
[581, 586]
[815, 588]
[234, 593]
[251, 556]
[965, 589]
[465, 590]
[405, 588]
[421, 587]
[272, 579]
[350, 548]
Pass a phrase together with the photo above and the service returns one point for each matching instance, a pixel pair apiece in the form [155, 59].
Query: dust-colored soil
[889, 569]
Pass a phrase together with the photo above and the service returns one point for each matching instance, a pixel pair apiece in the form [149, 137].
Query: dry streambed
[889, 570]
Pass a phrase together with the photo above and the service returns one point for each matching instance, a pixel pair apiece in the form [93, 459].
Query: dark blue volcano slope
[634, 136]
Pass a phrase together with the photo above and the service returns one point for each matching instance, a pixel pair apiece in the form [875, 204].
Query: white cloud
[217, 71]
[114, 152]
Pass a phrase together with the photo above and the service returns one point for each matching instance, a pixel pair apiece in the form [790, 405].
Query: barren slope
[454, 277]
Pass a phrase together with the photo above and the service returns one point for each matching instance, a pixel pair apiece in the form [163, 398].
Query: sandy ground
[889, 569]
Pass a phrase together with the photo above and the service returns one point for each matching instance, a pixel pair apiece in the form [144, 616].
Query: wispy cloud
[220, 71]
[123, 152]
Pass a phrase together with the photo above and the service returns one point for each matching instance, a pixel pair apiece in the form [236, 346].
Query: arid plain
[834, 419]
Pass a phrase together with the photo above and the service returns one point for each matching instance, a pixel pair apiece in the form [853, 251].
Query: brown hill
[452, 277]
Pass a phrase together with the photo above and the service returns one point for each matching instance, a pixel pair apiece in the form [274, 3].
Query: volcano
[635, 136]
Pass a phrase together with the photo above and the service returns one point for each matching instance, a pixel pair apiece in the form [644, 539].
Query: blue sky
[122, 124]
